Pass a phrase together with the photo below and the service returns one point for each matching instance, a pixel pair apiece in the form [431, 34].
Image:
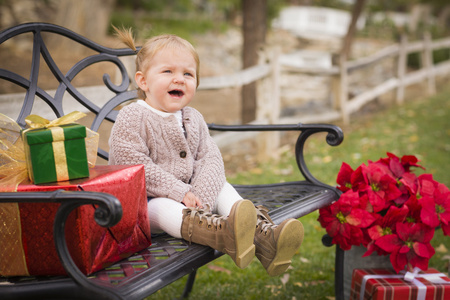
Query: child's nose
[178, 78]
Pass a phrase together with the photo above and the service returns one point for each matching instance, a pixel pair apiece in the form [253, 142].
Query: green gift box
[56, 153]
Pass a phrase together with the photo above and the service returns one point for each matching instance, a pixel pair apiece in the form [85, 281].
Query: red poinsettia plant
[389, 210]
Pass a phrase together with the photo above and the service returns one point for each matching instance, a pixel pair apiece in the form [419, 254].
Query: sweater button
[183, 154]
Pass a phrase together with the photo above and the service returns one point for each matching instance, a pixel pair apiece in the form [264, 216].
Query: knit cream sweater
[174, 163]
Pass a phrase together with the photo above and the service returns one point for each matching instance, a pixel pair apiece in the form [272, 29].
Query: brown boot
[276, 244]
[232, 235]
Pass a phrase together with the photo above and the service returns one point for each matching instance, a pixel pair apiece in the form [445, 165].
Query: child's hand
[190, 200]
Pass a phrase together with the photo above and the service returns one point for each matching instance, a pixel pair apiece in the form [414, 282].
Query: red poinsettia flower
[408, 186]
[414, 210]
[350, 179]
[445, 220]
[385, 225]
[410, 245]
[400, 170]
[382, 187]
[430, 212]
[442, 200]
[400, 165]
[436, 211]
[396, 166]
[344, 177]
[427, 185]
[343, 220]
[409, 161]
[392, 165]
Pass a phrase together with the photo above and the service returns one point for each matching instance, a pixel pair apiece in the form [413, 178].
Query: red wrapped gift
[386, 284]
[92, 247]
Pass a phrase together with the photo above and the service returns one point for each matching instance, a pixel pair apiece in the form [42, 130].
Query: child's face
[170, 80]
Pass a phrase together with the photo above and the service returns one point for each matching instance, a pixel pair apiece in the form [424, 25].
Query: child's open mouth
[176, 93]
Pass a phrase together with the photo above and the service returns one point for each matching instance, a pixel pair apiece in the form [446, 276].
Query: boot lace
[264, 222]
[204, 216]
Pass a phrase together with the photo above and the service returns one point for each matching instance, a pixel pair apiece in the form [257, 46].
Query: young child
[189, 196]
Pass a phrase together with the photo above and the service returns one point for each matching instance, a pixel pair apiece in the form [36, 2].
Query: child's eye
[188, 74]
[167, 71]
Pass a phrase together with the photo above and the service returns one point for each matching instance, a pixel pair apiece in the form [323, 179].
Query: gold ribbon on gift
[13, 170]
[62, 172]
[12, 256]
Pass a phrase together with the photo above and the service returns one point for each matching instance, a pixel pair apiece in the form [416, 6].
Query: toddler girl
[184, 170]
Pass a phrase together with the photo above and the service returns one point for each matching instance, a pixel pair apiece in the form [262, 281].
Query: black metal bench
[167, 259]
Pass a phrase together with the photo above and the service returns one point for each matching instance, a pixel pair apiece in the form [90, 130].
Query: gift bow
[13, 168]
[35, 121]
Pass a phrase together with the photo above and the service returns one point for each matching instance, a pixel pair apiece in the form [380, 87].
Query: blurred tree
[444, 17]
[254, 29]
[6, 11]
[14, 12]
[256, 17]
[356, 12]
[89, 18]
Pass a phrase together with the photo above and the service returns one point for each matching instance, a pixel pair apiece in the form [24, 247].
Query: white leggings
[166, 215]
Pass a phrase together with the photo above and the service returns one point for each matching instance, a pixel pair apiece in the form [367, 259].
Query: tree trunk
[356, 12]
[254, 30]
[419, 13]
[444, 17]
[90, 18]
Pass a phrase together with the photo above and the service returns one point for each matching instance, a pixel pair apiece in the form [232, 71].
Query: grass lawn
[420, 127]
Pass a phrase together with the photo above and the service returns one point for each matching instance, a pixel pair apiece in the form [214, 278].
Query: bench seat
[168, 258]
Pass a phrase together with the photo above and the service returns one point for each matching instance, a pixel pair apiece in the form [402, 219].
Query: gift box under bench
[386, 284]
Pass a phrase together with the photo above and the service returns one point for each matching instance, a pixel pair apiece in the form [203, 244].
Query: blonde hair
[152, 46]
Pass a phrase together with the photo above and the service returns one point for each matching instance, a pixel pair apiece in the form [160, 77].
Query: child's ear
[141, 81]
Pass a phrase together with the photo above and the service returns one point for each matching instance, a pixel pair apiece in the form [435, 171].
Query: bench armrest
[334, 137]
[108, 213]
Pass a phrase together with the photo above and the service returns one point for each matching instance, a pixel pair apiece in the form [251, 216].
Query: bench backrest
[41, 54]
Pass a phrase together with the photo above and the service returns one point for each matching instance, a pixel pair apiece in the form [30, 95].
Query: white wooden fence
[268, 75]
[428, 72]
